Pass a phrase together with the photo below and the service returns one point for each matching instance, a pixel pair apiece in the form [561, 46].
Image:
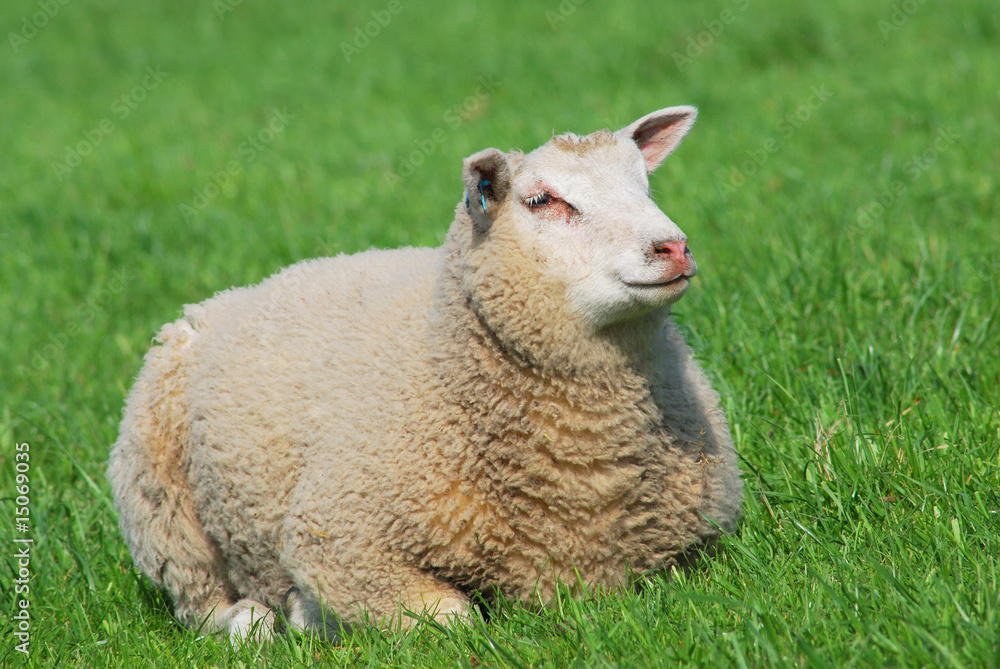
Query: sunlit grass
[856, 347]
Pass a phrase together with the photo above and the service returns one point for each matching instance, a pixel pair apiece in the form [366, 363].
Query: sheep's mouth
[678, 280]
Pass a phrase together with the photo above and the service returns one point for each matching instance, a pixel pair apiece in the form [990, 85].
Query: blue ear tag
[482, 196]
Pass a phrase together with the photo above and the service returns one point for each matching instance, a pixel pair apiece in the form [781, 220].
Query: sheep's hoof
[302, 615]
[249, 621]
[294, 611]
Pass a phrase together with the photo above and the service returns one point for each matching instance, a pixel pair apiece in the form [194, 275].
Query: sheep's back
[308, 369]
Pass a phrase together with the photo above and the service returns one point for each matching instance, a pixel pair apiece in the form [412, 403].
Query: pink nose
[674, 250]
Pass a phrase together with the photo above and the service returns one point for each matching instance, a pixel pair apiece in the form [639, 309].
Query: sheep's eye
[539, 200]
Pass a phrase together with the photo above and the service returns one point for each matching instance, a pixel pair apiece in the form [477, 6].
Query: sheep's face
[583, 204]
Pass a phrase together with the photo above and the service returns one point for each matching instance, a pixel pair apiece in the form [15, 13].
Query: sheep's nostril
[671, 249]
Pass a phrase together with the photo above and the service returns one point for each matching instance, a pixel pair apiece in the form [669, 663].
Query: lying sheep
[398, 428]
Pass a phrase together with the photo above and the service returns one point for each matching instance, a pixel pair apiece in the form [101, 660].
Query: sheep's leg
[449, 608]
[401, 608]
[169, 544]
[378, 592]
[425, 594]
[166, 538]
[156, 511]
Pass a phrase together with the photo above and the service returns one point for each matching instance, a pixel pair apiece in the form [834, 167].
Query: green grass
[858, 358]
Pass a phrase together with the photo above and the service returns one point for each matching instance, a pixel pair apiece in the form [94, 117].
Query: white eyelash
[539, 200]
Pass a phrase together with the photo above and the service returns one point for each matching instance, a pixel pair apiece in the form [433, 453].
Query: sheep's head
[580, 207]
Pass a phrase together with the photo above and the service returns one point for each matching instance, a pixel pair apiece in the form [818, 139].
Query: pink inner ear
[655, 146]
[657, 137]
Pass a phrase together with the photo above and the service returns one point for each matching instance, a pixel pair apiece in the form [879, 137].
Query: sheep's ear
[659, 133]
[487, 176]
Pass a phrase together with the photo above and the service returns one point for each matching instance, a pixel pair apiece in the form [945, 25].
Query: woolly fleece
[402, 427]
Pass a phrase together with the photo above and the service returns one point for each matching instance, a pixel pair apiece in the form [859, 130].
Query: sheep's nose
[676, 250]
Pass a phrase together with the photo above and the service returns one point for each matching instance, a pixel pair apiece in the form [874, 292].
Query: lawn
[840, 192]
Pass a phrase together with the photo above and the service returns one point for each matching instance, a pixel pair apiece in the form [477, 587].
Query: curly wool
[399, 427]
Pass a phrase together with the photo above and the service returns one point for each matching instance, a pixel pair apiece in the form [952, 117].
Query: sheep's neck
[541, 452]
[522, 417]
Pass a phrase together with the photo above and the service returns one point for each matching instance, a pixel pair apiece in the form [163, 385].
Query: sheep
[394, 430]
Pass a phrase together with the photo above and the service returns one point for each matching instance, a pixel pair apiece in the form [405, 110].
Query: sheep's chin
[660, 293]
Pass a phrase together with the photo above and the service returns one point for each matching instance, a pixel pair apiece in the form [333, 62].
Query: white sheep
[399, 428]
